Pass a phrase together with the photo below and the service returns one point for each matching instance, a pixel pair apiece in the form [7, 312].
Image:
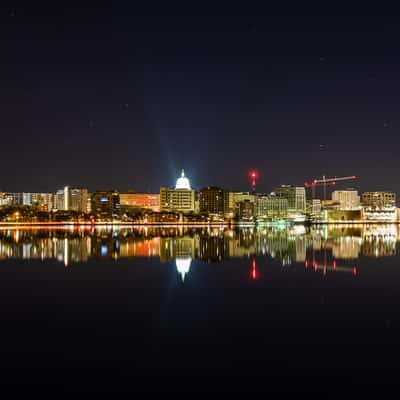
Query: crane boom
[325, 182]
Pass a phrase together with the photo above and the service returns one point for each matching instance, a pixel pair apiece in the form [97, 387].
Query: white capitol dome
[182, 182]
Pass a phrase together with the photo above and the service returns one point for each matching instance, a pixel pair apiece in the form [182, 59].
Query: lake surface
[191, 308]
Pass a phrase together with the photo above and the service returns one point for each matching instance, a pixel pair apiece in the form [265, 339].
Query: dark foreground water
[170, 309]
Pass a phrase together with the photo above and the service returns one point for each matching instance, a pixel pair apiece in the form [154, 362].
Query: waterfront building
[379, 200]
[105, 205]
[313, 207]
[79, 200]
[348, 199]
[178, 199]
[149, 201]
[246, 210]
[272, 206]
[295, 195]
[234, 198]
[213, 200]
[44, 201]
[69, 199]
[12, 199]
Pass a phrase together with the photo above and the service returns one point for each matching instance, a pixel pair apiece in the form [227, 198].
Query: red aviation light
[253, 174]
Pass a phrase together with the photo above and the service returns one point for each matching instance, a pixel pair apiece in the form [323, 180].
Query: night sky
[118, 98]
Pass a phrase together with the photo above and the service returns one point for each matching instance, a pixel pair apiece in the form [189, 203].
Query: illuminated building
[296, 197]
[313, 207]
[141, 200]
[59, 200]
[348, 199]
[246, 210]
[44, 201]
[234, 198]
[13, 199]
[213, 200]
[105, 205]
[79, 200]
[62, 199]
[272, 206]
[71, 199]
[67, 198]
[180, 199]
[379, 200]
[379, 206]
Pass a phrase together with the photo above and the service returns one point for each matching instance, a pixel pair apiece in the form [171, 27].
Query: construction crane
[325, 182]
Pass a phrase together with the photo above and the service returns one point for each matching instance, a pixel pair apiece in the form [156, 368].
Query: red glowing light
[253, 270]
[253, 174]
[354, 271]
[334, 264]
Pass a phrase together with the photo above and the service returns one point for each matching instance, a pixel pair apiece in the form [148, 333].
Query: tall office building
[67, 198]
[79, 200]
[295, 195]
[213, 200]
[180, 199]
[348, 199]
[105, 205]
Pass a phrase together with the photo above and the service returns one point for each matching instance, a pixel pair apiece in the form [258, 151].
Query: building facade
[234, 198]
[213, 200]
[379, 200]
[348, 199]
[105, 206]
[44, 201]
[149, 201]
[272, 206]
[79, 200]
[295, 195]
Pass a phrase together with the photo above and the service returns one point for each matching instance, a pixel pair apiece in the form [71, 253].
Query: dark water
[170, 309]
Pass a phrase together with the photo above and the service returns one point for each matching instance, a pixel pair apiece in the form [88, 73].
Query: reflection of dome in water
[183, 265]
[182, 182]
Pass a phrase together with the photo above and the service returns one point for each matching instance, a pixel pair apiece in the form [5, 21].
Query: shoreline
[183, 224]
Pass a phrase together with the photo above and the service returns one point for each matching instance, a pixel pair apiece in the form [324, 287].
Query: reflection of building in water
[288, 245]
[106, 245]
[174, 247]
[347, 247]
[183, 265]
[212, 248]
[380, 240]
[284, 246]
[139, 247]
[29, 245]
[241, 243]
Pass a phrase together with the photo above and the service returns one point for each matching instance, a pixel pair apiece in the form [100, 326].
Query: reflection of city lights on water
[183, 265]
[253, 269]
